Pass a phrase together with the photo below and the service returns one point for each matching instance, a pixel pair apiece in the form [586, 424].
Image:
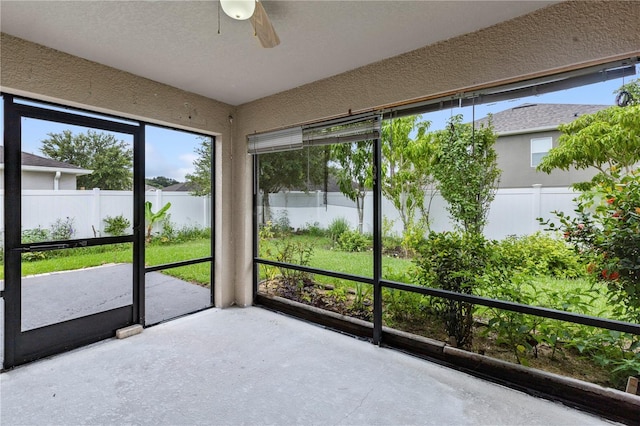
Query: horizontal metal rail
[71, 244]
[610, 324]
[573, 317]
[178, 264]
[324, 272]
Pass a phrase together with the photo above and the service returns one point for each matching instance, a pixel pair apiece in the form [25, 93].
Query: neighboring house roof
[528, 118]
[35, 162]
[332, 186]
[181, 187]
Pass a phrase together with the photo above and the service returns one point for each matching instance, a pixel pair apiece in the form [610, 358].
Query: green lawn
[122, 253]
[323, 256]
[546, 291]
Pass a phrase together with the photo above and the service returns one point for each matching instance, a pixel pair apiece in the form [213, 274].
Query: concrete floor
[252, 366]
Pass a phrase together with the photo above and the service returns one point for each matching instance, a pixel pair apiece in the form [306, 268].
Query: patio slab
[60, 296]
[253, 366]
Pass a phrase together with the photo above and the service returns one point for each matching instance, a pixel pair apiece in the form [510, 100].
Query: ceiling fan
[253, 9]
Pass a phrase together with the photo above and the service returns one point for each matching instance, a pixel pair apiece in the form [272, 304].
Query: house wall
[514, 159]
[29, 69]
[559, 37]
[40, 180]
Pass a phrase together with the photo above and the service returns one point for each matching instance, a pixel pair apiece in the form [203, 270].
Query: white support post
[205, 211]
[95, 213]
[536, 207]
[158, 203]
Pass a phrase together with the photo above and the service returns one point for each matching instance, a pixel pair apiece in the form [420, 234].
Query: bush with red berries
[606, 231]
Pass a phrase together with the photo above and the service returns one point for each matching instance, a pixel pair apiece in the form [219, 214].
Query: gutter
[531, 130]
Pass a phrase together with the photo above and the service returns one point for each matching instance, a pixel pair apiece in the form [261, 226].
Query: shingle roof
[534, 116]
[36, 160]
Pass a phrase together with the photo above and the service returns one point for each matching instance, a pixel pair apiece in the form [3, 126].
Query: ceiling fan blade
[263, 28]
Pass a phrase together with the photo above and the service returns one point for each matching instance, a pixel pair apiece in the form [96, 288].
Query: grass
[79, 258]
[324, 256]
[547, 291]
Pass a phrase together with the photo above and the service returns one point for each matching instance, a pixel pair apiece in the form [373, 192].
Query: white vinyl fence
[514, 211]
[88, 209]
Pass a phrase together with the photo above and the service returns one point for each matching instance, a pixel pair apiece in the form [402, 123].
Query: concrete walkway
[251, 366]
[60, 296]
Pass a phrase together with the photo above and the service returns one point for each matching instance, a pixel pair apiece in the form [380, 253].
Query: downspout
[56, 181]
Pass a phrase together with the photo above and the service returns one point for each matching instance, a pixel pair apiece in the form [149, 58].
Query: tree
[161, 181]
[608, 140]
[606, 226]
[467, 172]
[296, 169]
[111, 160]
[407, 164]
[277, 171]
[201, 177]
[354, 173]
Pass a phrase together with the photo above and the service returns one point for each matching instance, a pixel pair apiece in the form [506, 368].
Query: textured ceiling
[177, 42]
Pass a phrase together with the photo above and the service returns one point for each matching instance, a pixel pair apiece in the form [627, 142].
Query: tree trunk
[266, 208]
[360, 207]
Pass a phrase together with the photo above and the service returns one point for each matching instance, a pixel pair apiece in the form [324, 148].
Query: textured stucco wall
[551, 39]
[33, 70]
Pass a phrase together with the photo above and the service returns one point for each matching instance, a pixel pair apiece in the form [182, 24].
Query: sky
[594, 94]
[171, 153]
[168, 152]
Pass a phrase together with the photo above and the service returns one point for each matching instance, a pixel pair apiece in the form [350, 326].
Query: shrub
[391, 242]
[314, 229]
[190, 233]
[539, 255]
[265, 231]
[281, 225]
[413, 238]
[62, 229]
[606, 228]
[616, 351]
[116, 226]
[522, 333]
[404, 306]
[337, 227]
[295, 285]
[35, 235]
[353, 241]
[455, 262]
[297, 253]
[168, 230]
